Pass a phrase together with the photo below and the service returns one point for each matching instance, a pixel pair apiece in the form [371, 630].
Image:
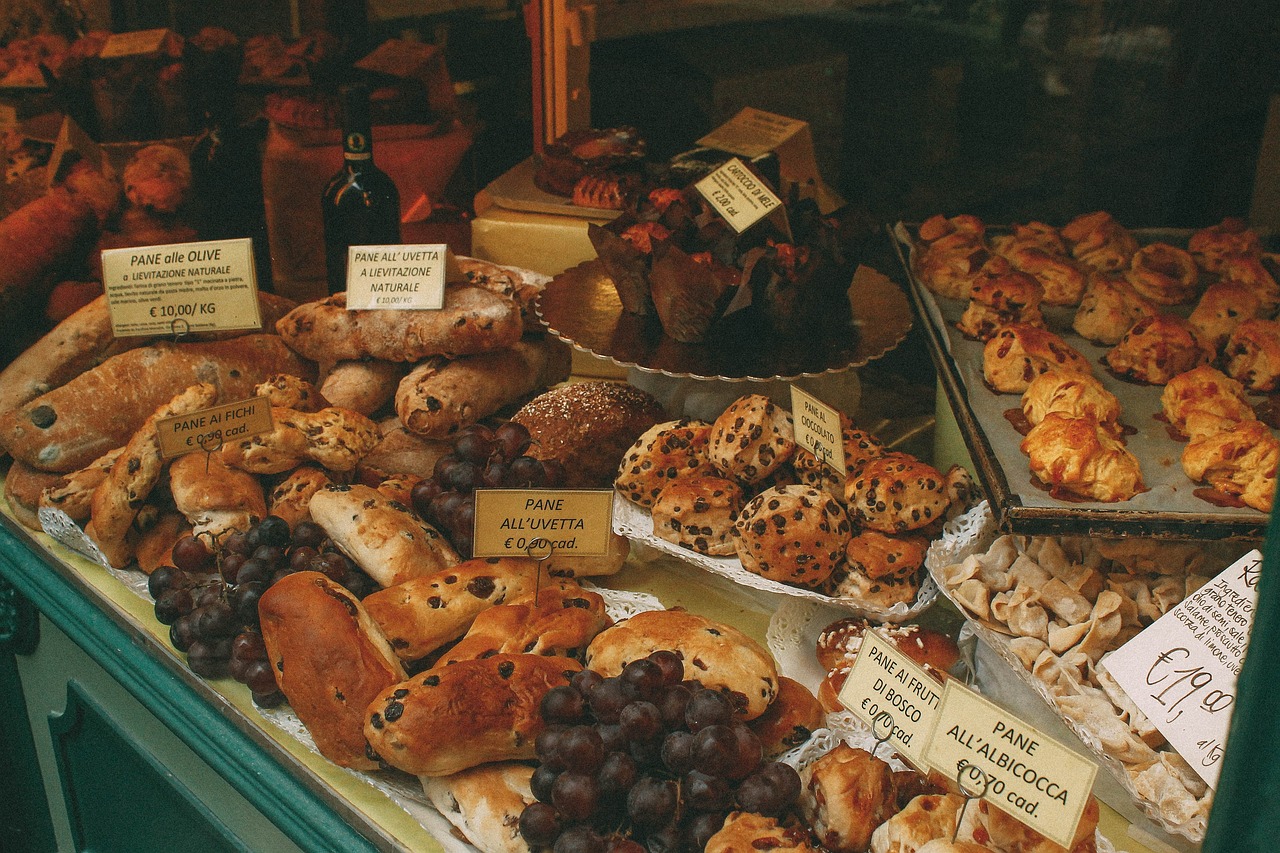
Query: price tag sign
[396, 277]
[738, 195]
[753, 132]
[182, 288]
[208, 429]
[138, 43]
[535, 522]
[817, 428]
[884, 680]
[1181, 670]
[1030, 776]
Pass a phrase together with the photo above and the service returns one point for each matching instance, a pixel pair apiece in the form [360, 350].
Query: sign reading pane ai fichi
[208, 429]
[1181, 670]
[181, 288]
[408, 278]
[537, 522]
[739, 195]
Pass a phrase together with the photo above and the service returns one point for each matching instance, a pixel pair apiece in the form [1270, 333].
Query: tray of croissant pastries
[1106, 379]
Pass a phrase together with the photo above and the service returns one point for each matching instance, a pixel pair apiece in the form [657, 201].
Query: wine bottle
[361, 205]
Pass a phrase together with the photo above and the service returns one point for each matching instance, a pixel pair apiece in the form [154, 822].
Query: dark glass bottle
[361, 205]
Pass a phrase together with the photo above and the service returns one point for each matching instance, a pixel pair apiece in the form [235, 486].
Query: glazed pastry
[845, 795]
[665, 452]
[1033, 235]
[1080, 456]
[792, 534]
[1239, 461]
[698, 513]
[1109, 308]
[950, 272]
[1164, 274]
[1062, 279]
[1018, 353]
[1099, 242]
[1222, 307]
[1209, 246]
[747, 832]
[964, 227]
[1253, 355]
[751, 439]
[1157, 349]
[1249, 270]
[1073, 394]
[997, 300]
[791, 718]
[1203, 401]
[896, 492]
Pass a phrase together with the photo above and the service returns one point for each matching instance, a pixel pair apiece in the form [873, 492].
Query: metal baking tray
[1168, 510]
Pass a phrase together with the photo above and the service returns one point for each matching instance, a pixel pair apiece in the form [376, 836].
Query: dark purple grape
[474, 446]
[440, 471]
[308, 533]
[617, 773]
[253, 571]
[707, 707]
[750, 752]
[463, 476]
[643, 678]
[672, 704]
[215, 620]
[608, 699]
[209, 593]
[182, 633]
[612, 736]
[541, 781]
[191, 555]
[546, 746]
[525, 472]
[671, 664]
[619, 844]
[172, 604]
[581, 749]
[714, 750]
[641, 721]
[540, 825]
[562, 704]
[553, 472]
[423, 493]
[442, 508]
[279, 575]
[260, 677]
[236, 668]
[360, 584]
[300, 557]
[273, 530]
[652, 802]
[513, 439]
[494, 474]
[236, 542]
[677, 752]
[585, 680]
[209, 659]
[700, 829]
[770, 790]
[332, 565]
[705, 793]
[272, 555]
[646, 753]
[579, 839]
[274, 699]
[244, 601]
[248, 646]
[169, 577]
[575, 794]
[665, 839]
[229, 567]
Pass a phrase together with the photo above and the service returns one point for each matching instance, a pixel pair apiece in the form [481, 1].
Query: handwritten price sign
[1181, 671]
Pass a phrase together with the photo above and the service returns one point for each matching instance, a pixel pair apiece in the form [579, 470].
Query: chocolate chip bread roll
[751, 439]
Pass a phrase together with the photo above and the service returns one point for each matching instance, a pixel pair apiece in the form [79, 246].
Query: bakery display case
[754, 311]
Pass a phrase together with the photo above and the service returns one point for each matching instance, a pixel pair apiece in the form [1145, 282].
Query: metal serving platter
[1169, 509]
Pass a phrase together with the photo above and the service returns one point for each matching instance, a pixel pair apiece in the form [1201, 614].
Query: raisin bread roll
[23, 488]
[363, 386]
[1157, 349]
[214, 498]
[587, 427]
[73, 493]
[484, 803]
[1253, 355]
[896, 492]
[385, 539]
[291, 392]
[1018, 353]
[1109, 308]
[1099, 242]
[665, 452]
[791, 718]
[748, 832]
[792, 534]
[859, 446]
[1081, 457]
[751, 439]
[698, 513]
[1223, 306]
[562, 620]
[1209, 246]
[291, 498]
[720, 656]
[473, 320]
[1061, 279]
[455, 717]
[330, 661]
[998, 300]
[845, 795]
[334, 438]
[422, 614]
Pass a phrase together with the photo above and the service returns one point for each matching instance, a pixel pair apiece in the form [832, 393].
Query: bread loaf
[422, 614]
[333, 437]
[563, 620]
[73, 493]
[440, 396]
[155, 544]
[363, 386]
[400, 452]
[485, 803]
[291, 392]
[23, 486]
[385, 539]
[460, 716]
[516, 285]
[330, 661]
[214, 498]
[291, 498]
[70, 426]
[473, 320]
[135, 473]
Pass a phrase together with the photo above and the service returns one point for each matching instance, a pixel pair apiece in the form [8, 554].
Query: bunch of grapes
[480, 457]
[210, 600]
[645, 761]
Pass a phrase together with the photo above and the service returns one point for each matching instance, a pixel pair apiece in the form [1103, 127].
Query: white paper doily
[636, 524]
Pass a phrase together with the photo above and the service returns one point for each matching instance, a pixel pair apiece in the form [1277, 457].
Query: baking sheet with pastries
[1168, 509]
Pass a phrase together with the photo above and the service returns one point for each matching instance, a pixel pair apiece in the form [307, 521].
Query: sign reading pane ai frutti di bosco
[536, 522]
[405, 278]
[181, 288]
[992, 753]
[1181, 670]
